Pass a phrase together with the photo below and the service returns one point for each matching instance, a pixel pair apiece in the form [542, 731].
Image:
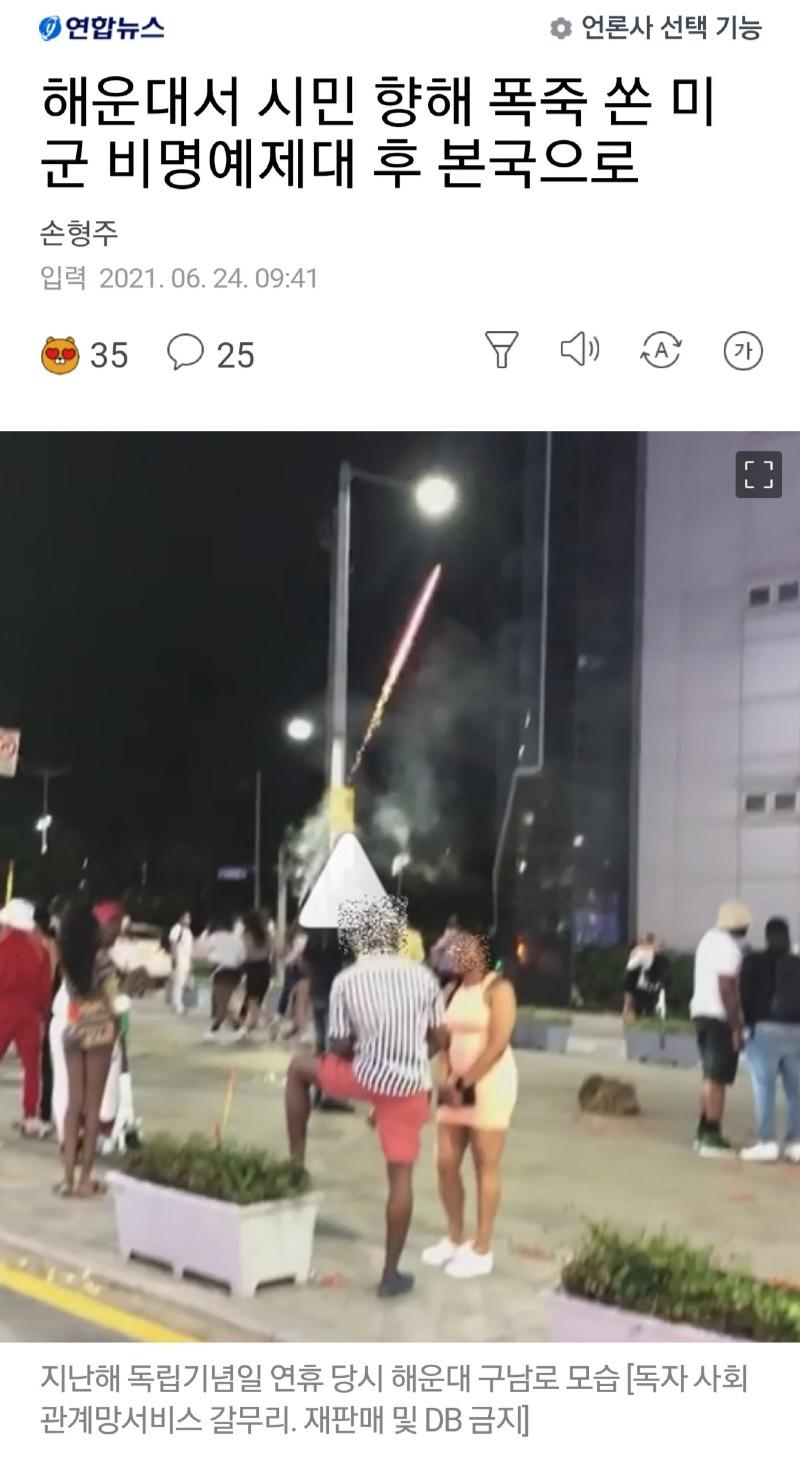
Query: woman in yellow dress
[477, 1096]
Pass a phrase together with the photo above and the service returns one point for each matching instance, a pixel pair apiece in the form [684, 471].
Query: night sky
[165, 606]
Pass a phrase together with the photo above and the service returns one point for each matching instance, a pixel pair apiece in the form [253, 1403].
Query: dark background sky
[165, 607]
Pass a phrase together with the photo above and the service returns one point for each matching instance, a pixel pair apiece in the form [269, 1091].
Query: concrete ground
[561, 1169]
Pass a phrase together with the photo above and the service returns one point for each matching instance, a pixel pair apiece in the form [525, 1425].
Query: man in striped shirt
[386, 1021]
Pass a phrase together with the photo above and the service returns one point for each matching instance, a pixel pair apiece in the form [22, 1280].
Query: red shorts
[399, 1121]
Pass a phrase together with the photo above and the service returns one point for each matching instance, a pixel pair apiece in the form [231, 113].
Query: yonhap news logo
[100, 28]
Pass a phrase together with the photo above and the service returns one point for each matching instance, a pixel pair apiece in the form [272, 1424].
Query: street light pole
[437, 502]
[257, 815]
[340, 633]
[46, 774]
[282, 912]
[45, 811]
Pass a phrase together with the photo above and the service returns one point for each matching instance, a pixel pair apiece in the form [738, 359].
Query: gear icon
[561, 28]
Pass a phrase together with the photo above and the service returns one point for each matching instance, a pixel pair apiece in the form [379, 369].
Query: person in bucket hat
[716, 1010]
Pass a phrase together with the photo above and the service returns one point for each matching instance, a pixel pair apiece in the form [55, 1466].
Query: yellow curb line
[75, 1304]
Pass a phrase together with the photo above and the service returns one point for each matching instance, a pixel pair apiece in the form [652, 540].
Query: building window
[759, 596]
[755, 802]
[786, 801]
[788, 591]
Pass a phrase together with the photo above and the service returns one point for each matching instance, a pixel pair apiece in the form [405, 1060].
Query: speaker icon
[581, 349]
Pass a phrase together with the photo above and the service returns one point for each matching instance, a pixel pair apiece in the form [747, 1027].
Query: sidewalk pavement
[561, 1169]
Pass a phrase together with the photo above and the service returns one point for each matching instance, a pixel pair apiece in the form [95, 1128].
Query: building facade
[565, 731]
[719, 718]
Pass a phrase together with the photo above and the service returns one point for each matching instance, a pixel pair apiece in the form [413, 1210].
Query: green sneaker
[713, 1146]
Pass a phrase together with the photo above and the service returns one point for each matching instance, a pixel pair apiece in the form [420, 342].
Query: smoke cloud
[432, 766]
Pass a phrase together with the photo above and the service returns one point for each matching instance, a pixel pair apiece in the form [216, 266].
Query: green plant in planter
[228, 1172]
[546, 1018]
[661, 1277]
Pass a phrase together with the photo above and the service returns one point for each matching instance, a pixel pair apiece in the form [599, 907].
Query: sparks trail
[398, 663]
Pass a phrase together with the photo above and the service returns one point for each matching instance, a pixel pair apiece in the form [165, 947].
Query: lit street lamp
[300, 729]
[436, 497]
[46, 774]
[43, 826]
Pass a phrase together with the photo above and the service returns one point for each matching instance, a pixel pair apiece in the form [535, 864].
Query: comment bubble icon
[184, 350]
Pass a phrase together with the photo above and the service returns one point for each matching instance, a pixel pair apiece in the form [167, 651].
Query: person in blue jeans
[770, 993]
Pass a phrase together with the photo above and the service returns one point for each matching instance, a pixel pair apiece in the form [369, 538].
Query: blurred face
[470, 955]
[373, 928]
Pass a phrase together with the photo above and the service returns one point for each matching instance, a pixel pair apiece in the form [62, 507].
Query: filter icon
[502, 342]
[581, 349]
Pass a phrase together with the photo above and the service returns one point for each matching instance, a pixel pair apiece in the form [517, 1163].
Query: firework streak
[398, 663]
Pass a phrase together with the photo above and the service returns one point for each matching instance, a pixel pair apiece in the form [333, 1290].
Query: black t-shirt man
[759, 971]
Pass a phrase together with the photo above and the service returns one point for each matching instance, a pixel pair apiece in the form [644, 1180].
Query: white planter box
[573, 1319]
[242, 1247]
[533, 1035]
[667, 1049]
[642, 1046]
[680, 1049]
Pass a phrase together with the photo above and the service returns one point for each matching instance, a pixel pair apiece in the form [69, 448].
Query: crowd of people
[745, 1002]
[388, 1030]
[748, 1001]
[397, 1034]
[386, 1026]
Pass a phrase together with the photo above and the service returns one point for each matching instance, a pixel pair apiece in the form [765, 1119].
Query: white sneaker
[761, 1153]
[32, 1128]
[443, 1252]
[468, 1264]
[211, 1034]
[792, 1153]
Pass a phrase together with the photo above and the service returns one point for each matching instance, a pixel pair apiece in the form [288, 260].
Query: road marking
[75, 1304]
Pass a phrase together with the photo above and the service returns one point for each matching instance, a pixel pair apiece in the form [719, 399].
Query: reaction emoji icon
[60, 355]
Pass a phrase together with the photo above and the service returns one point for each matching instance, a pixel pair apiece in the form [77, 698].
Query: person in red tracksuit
[25, 985]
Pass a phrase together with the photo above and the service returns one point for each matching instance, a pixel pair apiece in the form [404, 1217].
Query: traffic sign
[348, 877]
